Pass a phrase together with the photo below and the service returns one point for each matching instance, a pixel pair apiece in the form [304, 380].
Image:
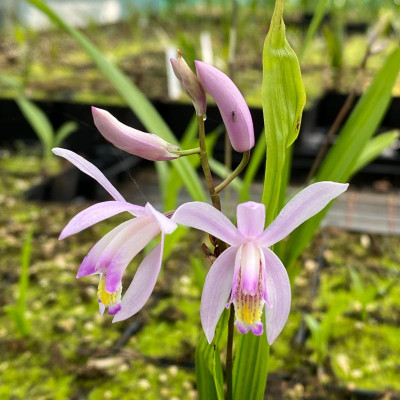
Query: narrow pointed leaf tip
[142, 144]
[190, 83]
[231, 104]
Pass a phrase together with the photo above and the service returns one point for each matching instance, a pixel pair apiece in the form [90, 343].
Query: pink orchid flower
[110, 256]
[248, 271]
[142, 144]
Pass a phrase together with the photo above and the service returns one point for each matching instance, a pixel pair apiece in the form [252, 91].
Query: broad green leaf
[341, 160]
[320, 9]
[374, 148]
[64, 131]
[39, 122]
[283, 98]
[137, 101]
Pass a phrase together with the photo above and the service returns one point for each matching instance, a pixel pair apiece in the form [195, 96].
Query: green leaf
[64, 131]
[283, 98]
[312, 324]
[209, 377]
[319, 13]
[171, 240]
[173, 181]
[374, 148]
[250, 368]
[335, 47]
[163, 172]
[341, 160]
[137, 101]
[18, 311]
[199, 272]
[362, 123]
[39, 122]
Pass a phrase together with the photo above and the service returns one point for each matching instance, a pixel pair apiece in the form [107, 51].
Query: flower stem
[235, 173]
[204, 164]
[188, 152]
[229, 358]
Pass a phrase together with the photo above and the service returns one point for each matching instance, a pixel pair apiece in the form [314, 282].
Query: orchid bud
[190, 83]
[142, 144]
[232, 106]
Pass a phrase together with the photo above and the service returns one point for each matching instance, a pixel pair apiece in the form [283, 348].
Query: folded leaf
[283, 98]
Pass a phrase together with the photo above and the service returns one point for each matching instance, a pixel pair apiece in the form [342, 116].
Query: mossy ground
[73, 353]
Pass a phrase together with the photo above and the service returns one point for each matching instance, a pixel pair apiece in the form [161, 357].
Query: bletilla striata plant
[246, 276]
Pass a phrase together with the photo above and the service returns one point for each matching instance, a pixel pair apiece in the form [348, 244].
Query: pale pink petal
[231, 104]
[257, 329]
[145, 145]
[205, 217]
[250, 218]
[216, 291]
[165, 223]
[243, 328]
[279, 295]
[142, 284]
[309, 202]
[123, 248]
[88, 266]
[102, 308]
[89, 169]
[235, 281]
[96, 213]
[114, 309]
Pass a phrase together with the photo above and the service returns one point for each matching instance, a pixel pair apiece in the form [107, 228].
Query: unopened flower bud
[232, 106]
[142, 144]
[190, 83]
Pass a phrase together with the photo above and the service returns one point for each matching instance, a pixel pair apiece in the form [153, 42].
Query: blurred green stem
[188, 152]
[216, 202]
[235, 173]
[229, 357]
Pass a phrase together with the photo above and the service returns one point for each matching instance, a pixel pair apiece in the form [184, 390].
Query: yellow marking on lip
[248, 308]
[105, 297]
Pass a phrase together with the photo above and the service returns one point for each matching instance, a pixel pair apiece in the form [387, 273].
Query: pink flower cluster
[247, 274]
